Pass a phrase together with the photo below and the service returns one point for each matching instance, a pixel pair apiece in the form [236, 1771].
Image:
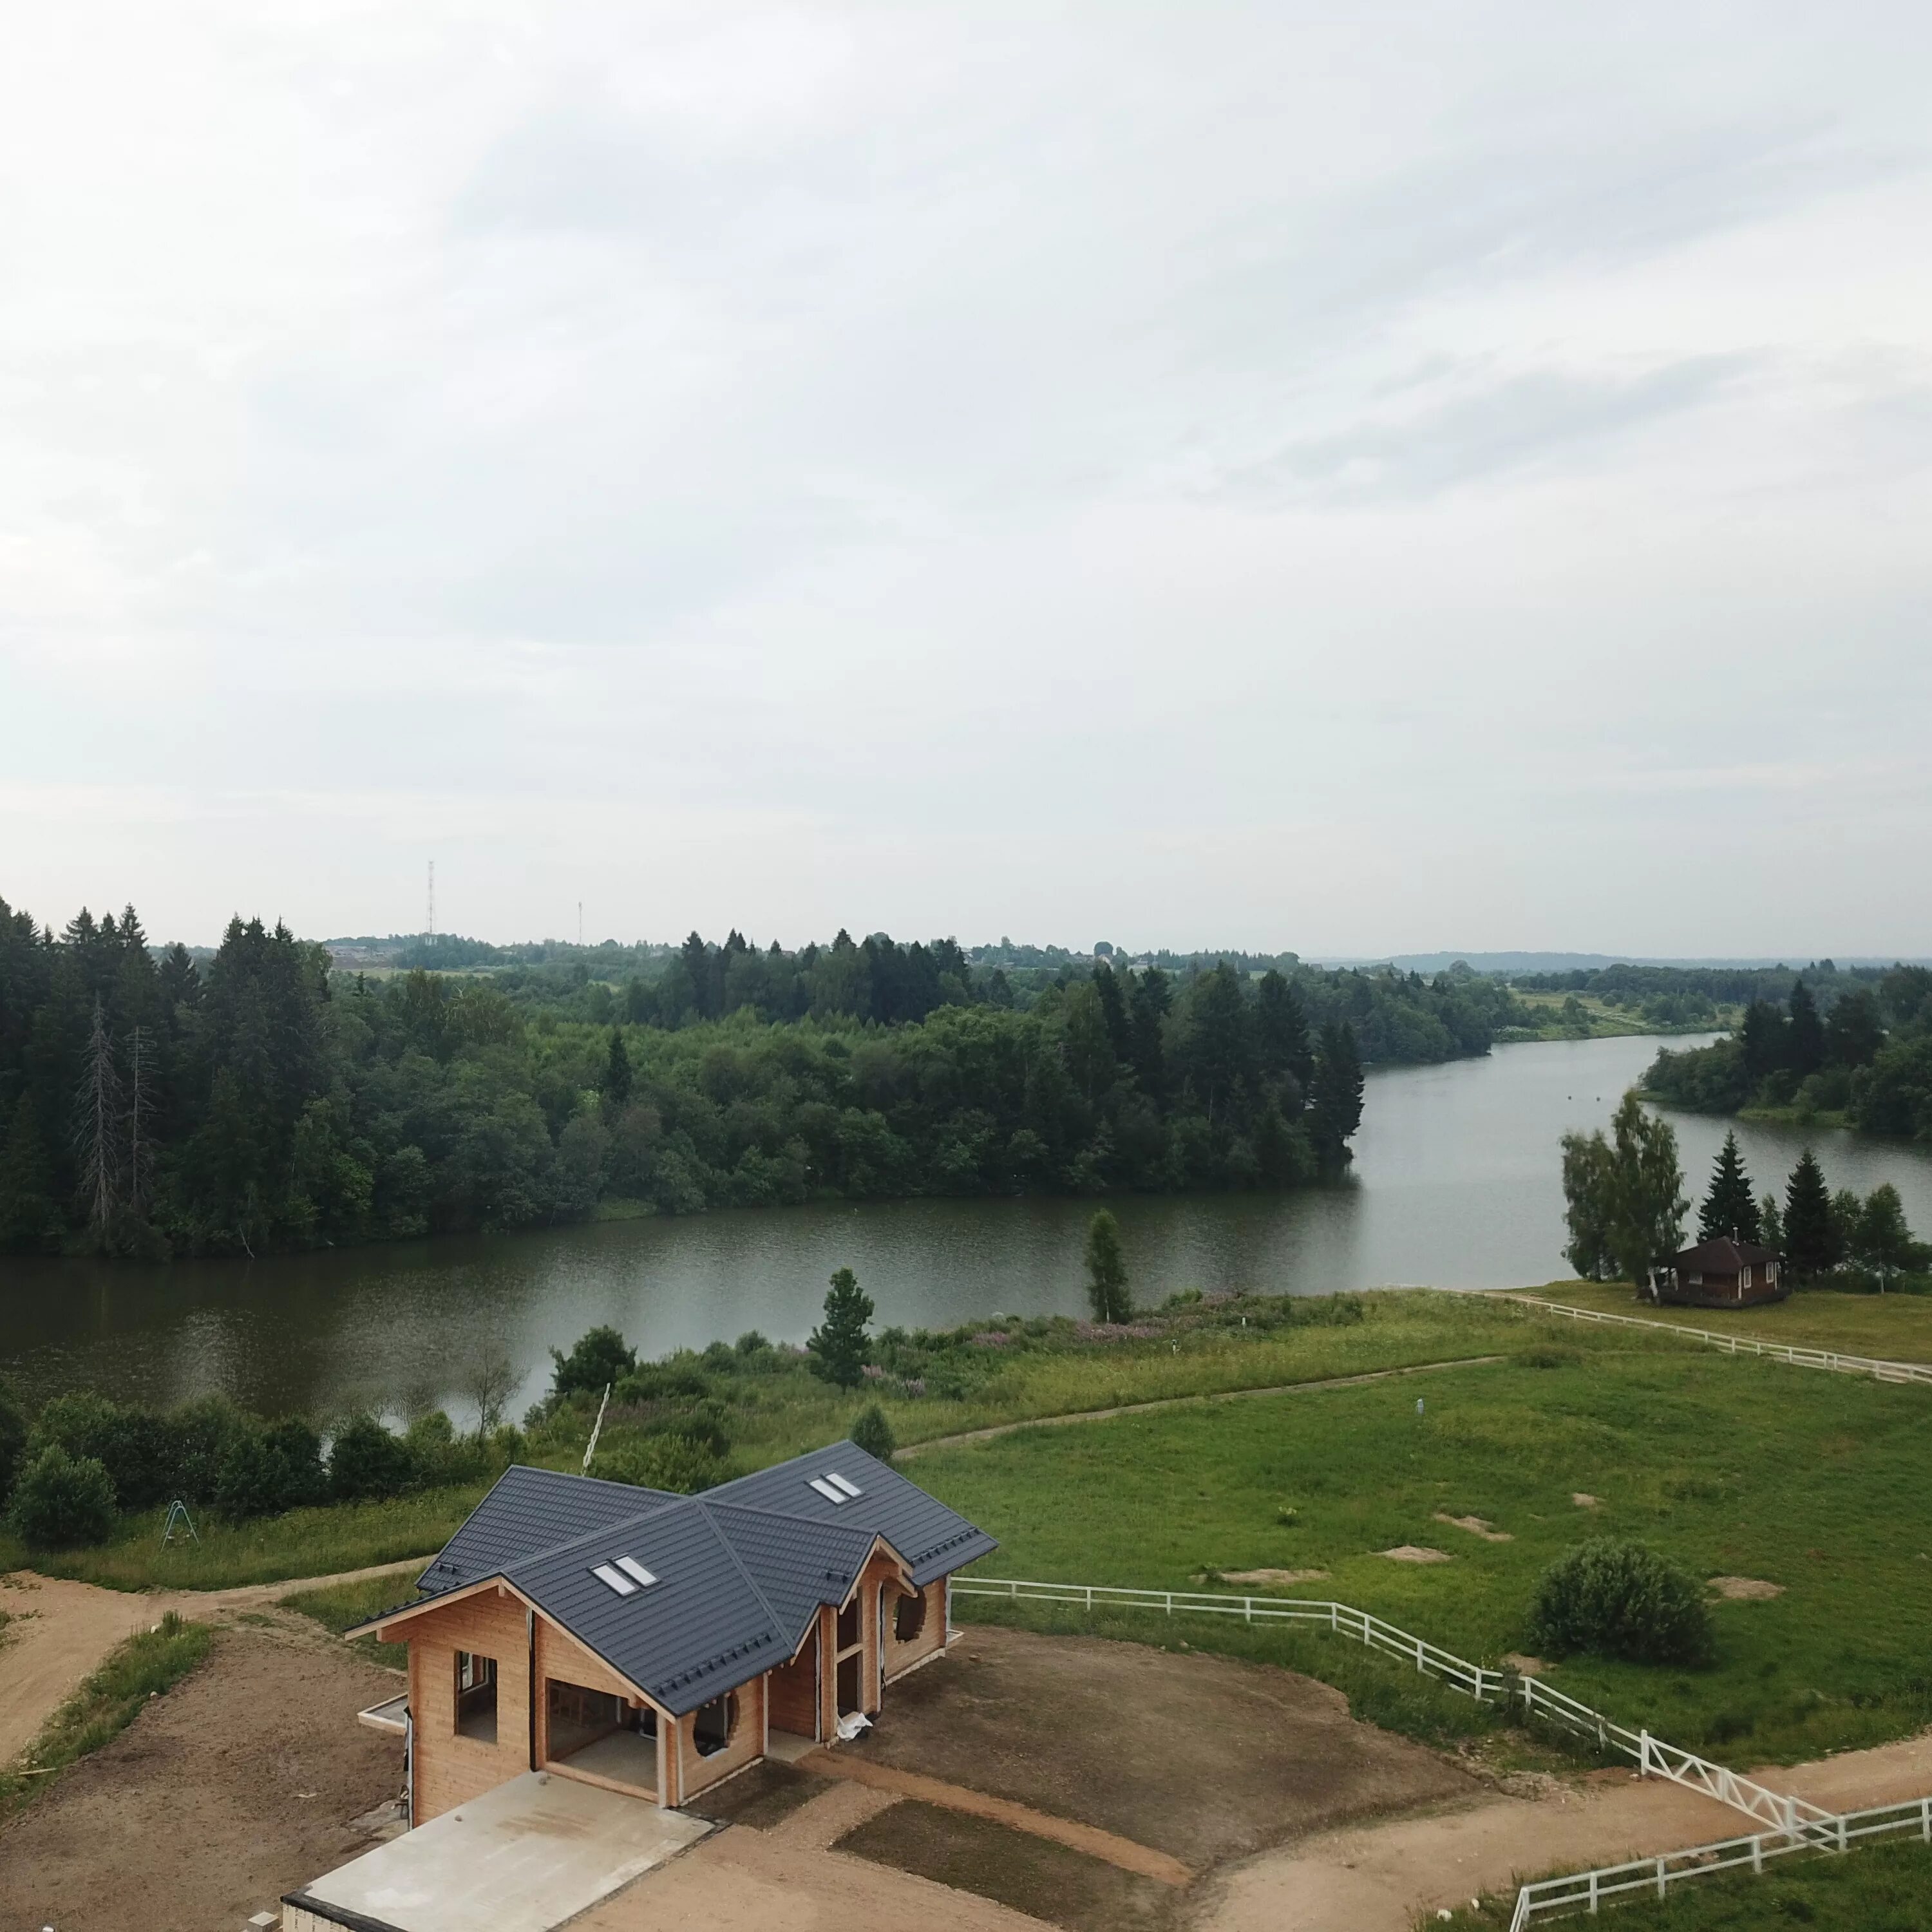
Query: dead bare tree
[140, 1111]
[97, 1107]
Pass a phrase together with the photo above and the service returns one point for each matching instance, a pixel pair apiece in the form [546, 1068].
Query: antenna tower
[579, 922]
[429, 925]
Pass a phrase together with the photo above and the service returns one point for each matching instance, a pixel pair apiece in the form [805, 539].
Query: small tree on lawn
[840, 1344]
[873, 1433]
[1625, 1195]
[1107, 1271]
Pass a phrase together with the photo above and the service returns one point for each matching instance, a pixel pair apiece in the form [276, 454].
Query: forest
[262, 1099]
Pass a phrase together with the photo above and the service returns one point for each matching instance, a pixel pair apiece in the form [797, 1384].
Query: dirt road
[60, 1630]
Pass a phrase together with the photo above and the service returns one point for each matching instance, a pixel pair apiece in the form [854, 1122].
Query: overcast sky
[1353, 479]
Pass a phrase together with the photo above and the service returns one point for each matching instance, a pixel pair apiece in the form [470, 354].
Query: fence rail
[1652, 1878]
[1878, 1369]
[1654, 1757]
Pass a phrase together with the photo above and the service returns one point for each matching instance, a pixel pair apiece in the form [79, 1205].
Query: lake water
[1455, 1184]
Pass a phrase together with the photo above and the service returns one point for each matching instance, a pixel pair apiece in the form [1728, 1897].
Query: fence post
[1170, 1603]
[1090, 1600]
[1418, 1654]
[1757, 1854]
[1841, 1831]
[1593, 1894]
[1925, 1820]
[1247, 1610]
[1643, 1753]
[1663, 1882]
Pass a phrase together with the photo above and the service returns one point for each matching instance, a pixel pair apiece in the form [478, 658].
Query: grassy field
[1735, 1467]
[1600, 1020]
[1896, 1327]
[146, 1665]
[304, 1543]
[1880, 1889]
[342, 1606]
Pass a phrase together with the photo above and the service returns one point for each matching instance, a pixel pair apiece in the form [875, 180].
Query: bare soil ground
[1204, 1758]
[1044, 1880]
[237, 1786]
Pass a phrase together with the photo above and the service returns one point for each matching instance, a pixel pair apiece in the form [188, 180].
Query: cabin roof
[739, 1570]
[1723, 1256]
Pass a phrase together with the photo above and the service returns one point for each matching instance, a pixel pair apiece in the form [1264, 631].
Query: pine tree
[1729, 1207]
[839, 1344]
[1805, 1039]
[617, 1070]
[1337, 1097]
[97, 1108]
[1283, 1027]
[1120, 1028]
[1811, 1234]
[1107, 1271]
[1152, 997]
[140, 1115]
[1763, 1035]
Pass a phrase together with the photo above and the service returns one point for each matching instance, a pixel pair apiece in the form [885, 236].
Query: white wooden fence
[1748, 1345]
[1792, 1824]
[1652, 1878]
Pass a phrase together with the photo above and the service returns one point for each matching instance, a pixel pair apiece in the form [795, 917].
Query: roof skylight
[833, 1477]
[825, 1490]
[612, 1580]
[636, 1571]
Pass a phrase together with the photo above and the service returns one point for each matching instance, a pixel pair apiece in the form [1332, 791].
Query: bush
[140, 1449]
[367, 1461]
[873, 1433]
[204, 1430]
[13, 1440]
[266, 1471]
[1620, 1600]
[438, 1456]
[673, 1462]
[597, 1357]
[61, 1501]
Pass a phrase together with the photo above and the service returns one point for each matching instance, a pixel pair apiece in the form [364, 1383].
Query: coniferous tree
[617, 1070]
[97, 1106]
[1113, 1006]
[1804, 1036]
[1771, 1222]
[29, 1219]
[1152, 997]
[1811, 1234]
[1729, 1207]
[1763, 1037]
[840, 1343]
[1336, 1102]
[1283, 1028]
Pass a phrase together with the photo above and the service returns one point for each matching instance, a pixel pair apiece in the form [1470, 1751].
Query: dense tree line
[1868, 1053]
[151, 1105]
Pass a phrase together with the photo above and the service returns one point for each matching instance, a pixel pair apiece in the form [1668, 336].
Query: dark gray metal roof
[934, 1539]
[528, 1509]
[741, 1569]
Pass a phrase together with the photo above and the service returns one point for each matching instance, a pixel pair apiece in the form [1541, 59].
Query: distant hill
[1585, 962]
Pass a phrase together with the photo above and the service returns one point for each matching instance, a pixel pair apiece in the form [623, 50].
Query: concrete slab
[523, 1857]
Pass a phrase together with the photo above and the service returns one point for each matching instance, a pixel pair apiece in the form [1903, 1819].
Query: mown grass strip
[147, 1665]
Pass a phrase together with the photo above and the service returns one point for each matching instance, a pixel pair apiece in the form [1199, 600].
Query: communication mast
[579, 922]
[429, 922]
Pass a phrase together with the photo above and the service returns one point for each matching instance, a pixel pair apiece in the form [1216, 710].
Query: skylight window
[825, 1490]
[636, 1571]
[833, 1477]
[612, 1580]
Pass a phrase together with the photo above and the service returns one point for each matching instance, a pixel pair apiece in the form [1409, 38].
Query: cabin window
[715, 1722]
[909, 1617]
[475, 1696]
[1747, 1277]
[848, 1625]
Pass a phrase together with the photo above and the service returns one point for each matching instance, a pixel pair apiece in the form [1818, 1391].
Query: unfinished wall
[695, 1772]
[793, 1692]
[901, 1656]
[450, 1768]
[560, 1656]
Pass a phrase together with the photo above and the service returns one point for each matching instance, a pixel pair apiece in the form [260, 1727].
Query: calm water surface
[1455, 1184]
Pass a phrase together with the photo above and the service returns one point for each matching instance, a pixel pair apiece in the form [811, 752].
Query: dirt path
[62, 1629]
[1383, 1878]
[1088, 1838]
[1182, 1401]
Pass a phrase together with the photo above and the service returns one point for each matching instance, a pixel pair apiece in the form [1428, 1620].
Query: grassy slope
[342, 1606]
[1897, 1327]
[1605, 1022]
[146, 1665]
[1735, 1467]
[1877, 1888]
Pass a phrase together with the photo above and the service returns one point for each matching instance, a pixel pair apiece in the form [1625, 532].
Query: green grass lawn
[343, 1606]
[1896, 1327]
[1733, 1467]
[1878, 1888]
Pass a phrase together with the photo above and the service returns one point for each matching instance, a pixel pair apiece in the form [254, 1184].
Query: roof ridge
[738, 1564]
[712, 1501]
[603, 1529]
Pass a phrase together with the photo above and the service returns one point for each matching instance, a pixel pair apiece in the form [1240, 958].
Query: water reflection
[1456, 1183]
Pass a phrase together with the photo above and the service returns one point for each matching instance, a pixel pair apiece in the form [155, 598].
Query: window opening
[909, 1617]
[848, 1625]
[712, 1729]
[475, 1696]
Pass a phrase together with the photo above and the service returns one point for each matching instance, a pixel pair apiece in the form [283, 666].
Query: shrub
[367, 1461]
[674, 1462]
[596, 1358]
[13, 1440]
[438, 1455]
[204, 1430]
[1620, 1600]
[266, 1471]
[873, 1433]
[138, 1450]
[61, 1501]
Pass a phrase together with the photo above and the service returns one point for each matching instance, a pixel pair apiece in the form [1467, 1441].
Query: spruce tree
[1804, 1038]
[1283, 1028]
[1810, 1233]
[1730, 1207]
[1107, 1271]
[1763, 1036]
[840, 1344]
[1336, 1098]
[617, 1070]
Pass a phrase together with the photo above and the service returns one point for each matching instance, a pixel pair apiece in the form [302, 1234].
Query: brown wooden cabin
[653, 1643]
[1723, 1273]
